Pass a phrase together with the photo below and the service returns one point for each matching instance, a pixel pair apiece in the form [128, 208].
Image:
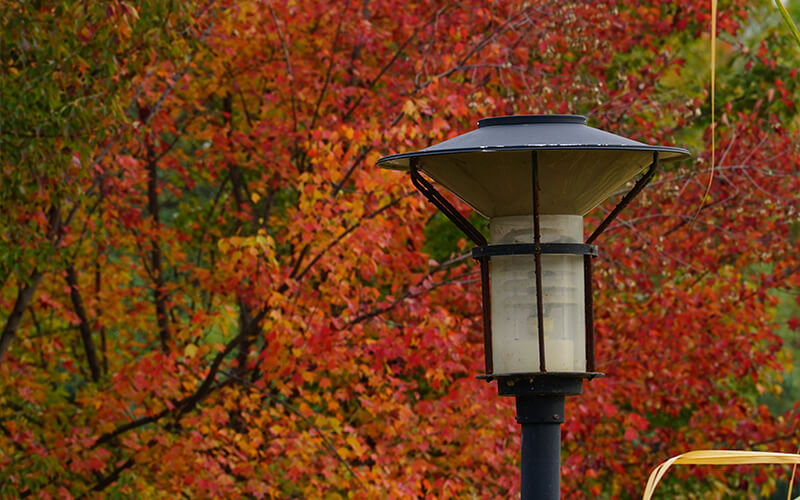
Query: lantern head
[534, 177]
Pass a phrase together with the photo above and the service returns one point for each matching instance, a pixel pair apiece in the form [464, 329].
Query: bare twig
[329, 71]
[346, 232]
[288, 60]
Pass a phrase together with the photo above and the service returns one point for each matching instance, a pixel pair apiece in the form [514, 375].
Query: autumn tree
[209, 290]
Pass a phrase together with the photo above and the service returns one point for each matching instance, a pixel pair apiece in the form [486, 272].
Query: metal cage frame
[483, 252]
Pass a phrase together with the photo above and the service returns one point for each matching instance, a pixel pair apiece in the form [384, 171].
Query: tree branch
[86, 333]
[113, 475]
[347, 231]
[24, 296]
[328, 444]
[188, 403]
[329, 71]
[159, 290]
[288, 60]
[418, 290]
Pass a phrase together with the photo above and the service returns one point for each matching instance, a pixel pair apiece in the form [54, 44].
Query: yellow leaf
[355, 445]
[409, 108]
[255, 197]
[190, 350]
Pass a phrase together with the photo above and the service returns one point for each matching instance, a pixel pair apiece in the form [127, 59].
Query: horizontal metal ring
[533, 249]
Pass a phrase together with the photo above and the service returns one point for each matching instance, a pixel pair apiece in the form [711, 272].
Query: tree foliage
[209, 290]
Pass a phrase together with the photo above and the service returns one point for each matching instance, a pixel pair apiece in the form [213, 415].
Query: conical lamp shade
[490, 168]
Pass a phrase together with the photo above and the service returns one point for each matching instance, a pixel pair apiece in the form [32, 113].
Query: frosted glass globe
[515, 334]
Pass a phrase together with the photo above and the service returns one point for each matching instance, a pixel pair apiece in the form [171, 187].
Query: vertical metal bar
[486, 297]
[588, 311]
[537, 237]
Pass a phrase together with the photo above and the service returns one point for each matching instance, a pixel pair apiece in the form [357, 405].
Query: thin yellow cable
[718, 457]
[713, 103]
[795, 33]
[791, 479]
[788, 20]
[725, 457]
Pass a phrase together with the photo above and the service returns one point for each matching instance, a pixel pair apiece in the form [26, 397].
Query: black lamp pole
[540, 413]
[540, 470]
[461, 165]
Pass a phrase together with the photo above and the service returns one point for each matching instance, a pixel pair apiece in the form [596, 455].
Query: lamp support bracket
[447, 208]
[440, 202]
[624, 202]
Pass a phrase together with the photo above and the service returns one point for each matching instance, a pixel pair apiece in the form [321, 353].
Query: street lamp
[535, 177]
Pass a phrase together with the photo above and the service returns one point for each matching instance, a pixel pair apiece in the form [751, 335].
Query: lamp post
[535, 177]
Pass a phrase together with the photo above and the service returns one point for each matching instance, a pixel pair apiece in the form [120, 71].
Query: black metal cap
[526, 119]
[533, 132]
